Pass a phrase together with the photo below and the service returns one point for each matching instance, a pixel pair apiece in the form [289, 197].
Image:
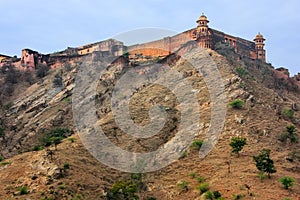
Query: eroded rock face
[29, 58]
[44, 105]
[41, 107]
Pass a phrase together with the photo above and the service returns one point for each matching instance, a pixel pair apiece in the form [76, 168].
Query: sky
[53, 25]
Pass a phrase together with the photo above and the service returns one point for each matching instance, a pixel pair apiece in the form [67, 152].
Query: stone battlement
[203, 35]
[206, 38]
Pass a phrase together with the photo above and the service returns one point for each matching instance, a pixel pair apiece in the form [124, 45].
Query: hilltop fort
[205, 36]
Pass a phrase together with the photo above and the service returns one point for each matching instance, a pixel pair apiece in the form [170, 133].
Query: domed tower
[202, 25]
[202, 34]
[259, 46]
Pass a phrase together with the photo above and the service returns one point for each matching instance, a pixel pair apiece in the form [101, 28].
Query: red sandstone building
[205, 36]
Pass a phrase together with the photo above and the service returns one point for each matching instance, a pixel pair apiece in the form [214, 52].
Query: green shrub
[237, 144]
[290, 129]
[209, 195]
[37, 148]
[200, 179]
[287, 182]
[203, 187]
[193, 175]
[1, 158]
[68, 99]
[288, 113]
[264, 163]
[126, 54]
[54, 136]
[72, 140]
[237, 104]
[216, 195]
[23, 190]
[62, 187]
[238, 196]
[66, 166]
[183, 185]
[196, 144]
[56, 140]
[4, 163]
[241, 71]
[137, 179]
[122, 190]
[290, 134]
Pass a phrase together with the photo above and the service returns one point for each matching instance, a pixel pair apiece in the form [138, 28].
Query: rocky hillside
[44, 157]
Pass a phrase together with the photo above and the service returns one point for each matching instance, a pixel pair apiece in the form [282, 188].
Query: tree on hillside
[237, 144]
[264, 163]
[291, 133]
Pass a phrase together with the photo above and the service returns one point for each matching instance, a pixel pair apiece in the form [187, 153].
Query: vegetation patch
[287, 182]
[54, 136]
[183, 185]
[288, 113]
[4, 163]
[264, 163]
[237, 144]
[241, 71]
[23, 190]
[215, 195]
[237, 104]
[203, 187]
[196, 144]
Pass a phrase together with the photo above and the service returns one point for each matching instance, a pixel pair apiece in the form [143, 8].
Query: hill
[37, 166]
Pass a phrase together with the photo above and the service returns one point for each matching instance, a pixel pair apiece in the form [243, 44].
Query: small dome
[259, 38]
[259, 35]
[202, 18]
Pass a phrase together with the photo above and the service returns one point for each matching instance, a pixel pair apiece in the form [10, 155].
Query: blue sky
[49, 26]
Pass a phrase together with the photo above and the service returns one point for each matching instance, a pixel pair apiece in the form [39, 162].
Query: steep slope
[261, 121]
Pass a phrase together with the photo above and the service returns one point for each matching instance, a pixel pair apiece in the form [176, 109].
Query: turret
[259, 46]
[202, 25]
[202, 34]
